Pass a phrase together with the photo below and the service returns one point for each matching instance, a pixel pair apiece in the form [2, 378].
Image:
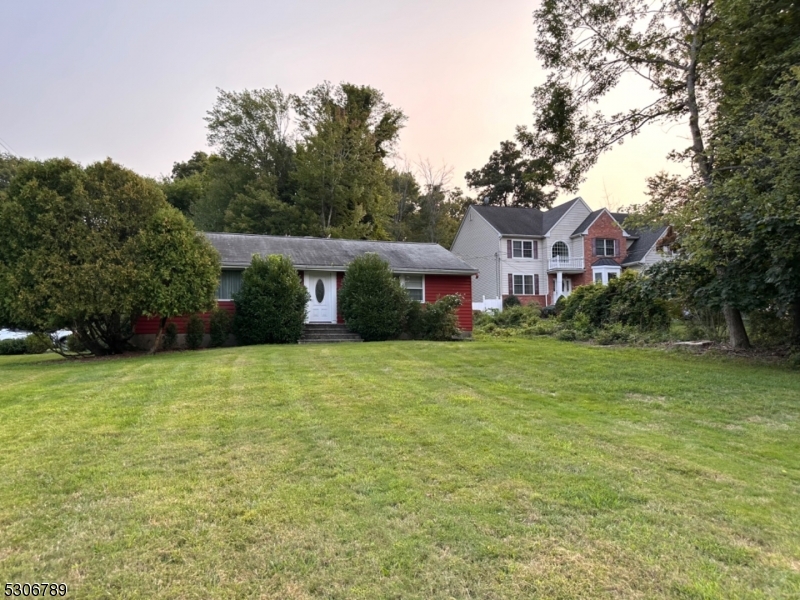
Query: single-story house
[426, 271]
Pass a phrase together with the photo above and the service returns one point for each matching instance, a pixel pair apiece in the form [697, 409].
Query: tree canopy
[91, 249]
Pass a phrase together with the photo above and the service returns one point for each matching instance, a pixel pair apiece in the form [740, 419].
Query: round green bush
[10, 347]
[509, 301]
[219, 326]
[195, 330]
[37, 344]
[371, 299]
[271, 305]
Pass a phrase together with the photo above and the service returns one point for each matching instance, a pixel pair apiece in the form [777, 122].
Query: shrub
[614, 334]
[9, 347]
[633, 302]
[628, 300]
[195, 330]
[591, 300]
[509, 301]
[412, 319]
[37, 344]
[371, 300]
[566, 335]
[170, 336]
[553, 310]
[439, 320]
[220, 326]
[518, 316]
[74, 344]
[271, 305]
[769, 327]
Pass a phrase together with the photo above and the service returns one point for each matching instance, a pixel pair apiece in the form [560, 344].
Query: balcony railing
[565, 264]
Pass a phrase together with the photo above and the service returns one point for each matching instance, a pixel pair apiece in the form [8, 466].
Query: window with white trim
[560, 250]
[521, 249]
[230, 282]
[605, 247]
[523, 285]
[414, 285]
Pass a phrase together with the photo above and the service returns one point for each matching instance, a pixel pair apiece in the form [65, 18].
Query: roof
[236, 251]
[587, 222]
[647, 238]
[513, 220]
[605, 262]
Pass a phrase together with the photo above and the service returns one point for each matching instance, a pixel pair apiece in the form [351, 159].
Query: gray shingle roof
[512, 220]
[646, 240]
[587, 221]
[237, 250]
[605, 262]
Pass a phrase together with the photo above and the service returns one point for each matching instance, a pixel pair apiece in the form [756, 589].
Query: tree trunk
[736, 330]
[162, 323]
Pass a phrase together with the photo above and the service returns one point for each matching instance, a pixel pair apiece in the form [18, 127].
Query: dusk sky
[132, 81]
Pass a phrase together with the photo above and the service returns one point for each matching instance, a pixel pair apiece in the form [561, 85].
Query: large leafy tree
[346, 131]
[93, 249]
[589, 47]
[512, 179]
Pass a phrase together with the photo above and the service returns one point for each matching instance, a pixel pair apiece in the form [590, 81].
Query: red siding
[149, 325]
[437, 286]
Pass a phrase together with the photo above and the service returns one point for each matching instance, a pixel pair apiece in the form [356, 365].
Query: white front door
[321, 286]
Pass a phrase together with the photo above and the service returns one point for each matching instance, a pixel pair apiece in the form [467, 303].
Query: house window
[605, 274]
[229, 284]
[604, 247]
[521, 249]
[523, 285]
[414, 285]
[560, 250]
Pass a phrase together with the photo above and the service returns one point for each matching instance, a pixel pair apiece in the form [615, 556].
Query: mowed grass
[490, 469]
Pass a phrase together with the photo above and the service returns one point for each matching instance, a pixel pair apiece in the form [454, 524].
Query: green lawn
[491, 469]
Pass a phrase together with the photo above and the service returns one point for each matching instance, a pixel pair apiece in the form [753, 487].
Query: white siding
[476, 244]
[523, 266]
[565, 228]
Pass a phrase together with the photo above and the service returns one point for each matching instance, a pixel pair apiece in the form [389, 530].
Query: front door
[321, 286]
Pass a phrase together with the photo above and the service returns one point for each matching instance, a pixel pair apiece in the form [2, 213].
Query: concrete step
[320, 333]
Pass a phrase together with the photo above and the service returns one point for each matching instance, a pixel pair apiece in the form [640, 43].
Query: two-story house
[540, 255]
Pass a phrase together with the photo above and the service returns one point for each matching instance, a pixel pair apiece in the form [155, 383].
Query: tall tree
[589, 47]
[346, 131]
[511, 179]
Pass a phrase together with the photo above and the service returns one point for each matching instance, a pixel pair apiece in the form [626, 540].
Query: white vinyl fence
[488, 304]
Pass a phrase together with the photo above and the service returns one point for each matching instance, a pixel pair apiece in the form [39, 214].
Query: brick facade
[607, 228]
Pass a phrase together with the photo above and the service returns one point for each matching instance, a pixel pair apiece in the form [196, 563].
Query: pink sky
[132, 80]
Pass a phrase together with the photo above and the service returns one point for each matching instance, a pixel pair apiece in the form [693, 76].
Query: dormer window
[521, 249]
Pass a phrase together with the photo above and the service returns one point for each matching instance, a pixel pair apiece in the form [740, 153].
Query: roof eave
[342, 268]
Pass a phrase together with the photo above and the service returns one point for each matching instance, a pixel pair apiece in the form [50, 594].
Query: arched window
[560, 250]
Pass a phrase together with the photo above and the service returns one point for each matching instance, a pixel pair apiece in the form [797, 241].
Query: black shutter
[535, 249]
[509, 254]
[510, 283]
[536, 285]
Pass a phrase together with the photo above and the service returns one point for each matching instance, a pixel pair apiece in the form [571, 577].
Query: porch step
[322, 333]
